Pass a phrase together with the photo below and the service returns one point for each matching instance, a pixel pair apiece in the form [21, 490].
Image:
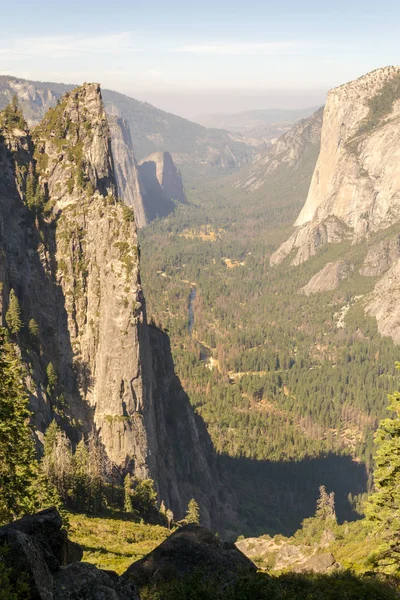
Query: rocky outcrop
[162, 183]
[381, 257]
[151, 188]
[284, 554]
[384, 303]
[328, 278]
[27, 267]
[97, 260]
[167, 175]
[180, 448]
[357, 178]
[70, 253]
[40, 555]
[319, 563]
[188, 550]
[130, 188]
[306, 242]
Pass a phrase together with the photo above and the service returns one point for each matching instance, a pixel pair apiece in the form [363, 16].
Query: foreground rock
[319, 563]
[39, 551]
[192, 548]
[283, 554]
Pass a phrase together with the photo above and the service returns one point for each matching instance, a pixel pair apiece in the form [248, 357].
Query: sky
[195, 58]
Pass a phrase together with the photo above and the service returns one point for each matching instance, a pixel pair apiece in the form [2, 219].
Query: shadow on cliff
[237, 494]
[183, 457]
[275, 497]
[28, 250]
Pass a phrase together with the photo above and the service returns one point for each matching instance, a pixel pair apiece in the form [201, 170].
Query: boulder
[191, 549]
[319, 563]
[45, 528]
[24, 555]
[83, 580]
[38, 551]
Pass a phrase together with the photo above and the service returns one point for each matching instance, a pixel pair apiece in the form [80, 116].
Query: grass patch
[114, 543]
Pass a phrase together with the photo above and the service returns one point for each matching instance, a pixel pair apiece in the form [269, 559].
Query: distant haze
[194, 105]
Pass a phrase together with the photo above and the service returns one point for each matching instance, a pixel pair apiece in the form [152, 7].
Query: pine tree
[170, 517]
[23, 483]
[17, 451]
[52, 379]
[325, 505]
[128, 494]
[193, 512]
[80, 476]
[30, 187]
[12, 114]
[57, 461]
[13, 314]
[144, 497]
[98, 470]
[383, 508]
[33, 330]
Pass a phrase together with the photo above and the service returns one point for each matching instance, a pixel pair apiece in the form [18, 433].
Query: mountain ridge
[197, 150]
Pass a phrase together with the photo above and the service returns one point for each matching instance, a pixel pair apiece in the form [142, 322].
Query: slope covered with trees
[284, 381]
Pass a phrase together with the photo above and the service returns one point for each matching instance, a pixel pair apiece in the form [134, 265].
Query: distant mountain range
[265, 124]
[198, 151]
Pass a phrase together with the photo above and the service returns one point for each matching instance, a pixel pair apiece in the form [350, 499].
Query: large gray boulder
[190, 549]
[319, 563]
[38, 551]
[80, 581]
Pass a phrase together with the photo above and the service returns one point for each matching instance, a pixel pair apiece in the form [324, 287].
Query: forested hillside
[291, 386]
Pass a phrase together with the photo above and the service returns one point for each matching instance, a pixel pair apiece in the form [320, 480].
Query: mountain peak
[74, 147]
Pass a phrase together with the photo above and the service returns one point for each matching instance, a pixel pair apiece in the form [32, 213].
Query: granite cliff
[354, 195]
[355, 187]
[153, 187]
[70, 253]
[162, 183]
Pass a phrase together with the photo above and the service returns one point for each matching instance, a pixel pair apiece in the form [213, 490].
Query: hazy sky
[206, 56]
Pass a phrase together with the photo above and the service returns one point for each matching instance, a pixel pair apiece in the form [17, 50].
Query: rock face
[308, 240]
[320, 563]
[40, 553]
[162, 183]
[357, 178]
[180, 449]
[328, 278]
[151, 188]
[381, 257]
[189, 549]
[384, 303]
[284, 554]
[97, 271]
[35, 97]
[130, 187]
[70, 253]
